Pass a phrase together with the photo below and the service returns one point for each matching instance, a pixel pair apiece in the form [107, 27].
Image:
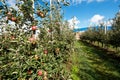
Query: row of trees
[25, 56]
[111, 37]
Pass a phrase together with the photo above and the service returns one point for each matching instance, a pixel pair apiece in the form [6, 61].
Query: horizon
[82, 29]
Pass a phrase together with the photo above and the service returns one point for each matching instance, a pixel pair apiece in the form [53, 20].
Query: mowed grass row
[90, 63]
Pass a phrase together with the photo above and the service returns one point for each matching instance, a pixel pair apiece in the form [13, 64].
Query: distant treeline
[110, 37]
[86, 28]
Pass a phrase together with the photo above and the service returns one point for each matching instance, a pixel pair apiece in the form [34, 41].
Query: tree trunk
[102, 44]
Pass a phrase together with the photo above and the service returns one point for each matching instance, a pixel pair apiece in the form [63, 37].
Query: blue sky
[89, 12]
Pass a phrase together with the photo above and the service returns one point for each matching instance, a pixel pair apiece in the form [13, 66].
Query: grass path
[90, 63]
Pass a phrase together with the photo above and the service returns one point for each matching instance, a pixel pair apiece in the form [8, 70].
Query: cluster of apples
[39, 73]
[40, 13]
[11, 17]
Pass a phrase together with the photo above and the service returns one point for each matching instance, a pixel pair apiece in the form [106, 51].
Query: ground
[91, 63]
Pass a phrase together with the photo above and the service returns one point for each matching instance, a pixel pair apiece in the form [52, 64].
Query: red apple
[41, 14]
[39, 73]
[12, 37]
[14, 19]
[45, 51]
[32, 40]
[34, 28]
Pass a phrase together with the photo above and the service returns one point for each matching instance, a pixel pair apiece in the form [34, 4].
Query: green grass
[90, 63]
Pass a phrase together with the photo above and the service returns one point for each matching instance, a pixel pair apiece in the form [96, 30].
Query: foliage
[114, 37]
[23, 55]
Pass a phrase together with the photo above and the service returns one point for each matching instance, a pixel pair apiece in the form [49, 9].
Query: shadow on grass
[85, 74]
[111, 54]
[99, 65]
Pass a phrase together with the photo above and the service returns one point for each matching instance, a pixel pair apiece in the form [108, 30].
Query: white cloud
[88, 1]
[80, 1]
[100, 0]
[73, 23]
[96, 19]
[75, 2]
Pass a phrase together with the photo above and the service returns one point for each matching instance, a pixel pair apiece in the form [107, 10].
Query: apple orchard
[25, 56]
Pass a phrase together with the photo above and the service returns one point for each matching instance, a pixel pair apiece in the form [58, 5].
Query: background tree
[114, 37]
